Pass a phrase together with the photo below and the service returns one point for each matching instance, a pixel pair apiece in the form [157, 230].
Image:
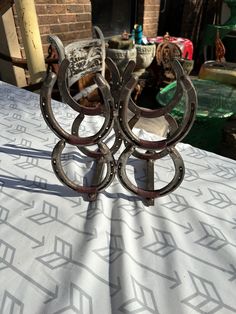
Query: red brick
[44, 29]
[56, 9]
[41, 9]
[79, 26]
[83, 17]
[149, 21]
[45, 49]
[72, 36]
[152, 8]
[44, 39]
[67, 18]
[152, 2]
[76, 8]
[45, 1]
[48, 19]
[150, 14]
[84, 1]
[87, 8]
[59, 28]
[68, 1]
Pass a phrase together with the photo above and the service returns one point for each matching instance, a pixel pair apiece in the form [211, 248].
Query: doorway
[170, 19]
[114, 17]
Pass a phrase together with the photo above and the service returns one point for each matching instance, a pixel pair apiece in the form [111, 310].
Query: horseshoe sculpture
[117, 101]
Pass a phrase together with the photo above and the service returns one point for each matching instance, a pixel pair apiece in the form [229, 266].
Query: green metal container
[216, 102]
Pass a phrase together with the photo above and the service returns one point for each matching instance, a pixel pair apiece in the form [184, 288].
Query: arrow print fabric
[62, 254]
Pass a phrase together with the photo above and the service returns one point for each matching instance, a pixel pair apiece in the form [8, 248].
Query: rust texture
[117, 100]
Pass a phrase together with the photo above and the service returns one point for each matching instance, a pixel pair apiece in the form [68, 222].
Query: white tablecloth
[61, 254]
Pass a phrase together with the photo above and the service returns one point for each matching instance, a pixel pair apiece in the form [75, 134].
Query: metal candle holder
[117, 100]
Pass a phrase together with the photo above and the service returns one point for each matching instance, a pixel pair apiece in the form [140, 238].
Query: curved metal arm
[61, 175]
[74, 138]
[117, 100]
[150, 194]
[191, 104]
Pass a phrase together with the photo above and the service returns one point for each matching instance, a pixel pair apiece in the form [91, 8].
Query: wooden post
[10, 46]
[28, 23]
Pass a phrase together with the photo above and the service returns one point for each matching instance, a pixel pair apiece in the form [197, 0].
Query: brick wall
[148, 12]
[69, 19]
[72, 19]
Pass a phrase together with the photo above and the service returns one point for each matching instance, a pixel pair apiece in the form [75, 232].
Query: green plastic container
[216, 102]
